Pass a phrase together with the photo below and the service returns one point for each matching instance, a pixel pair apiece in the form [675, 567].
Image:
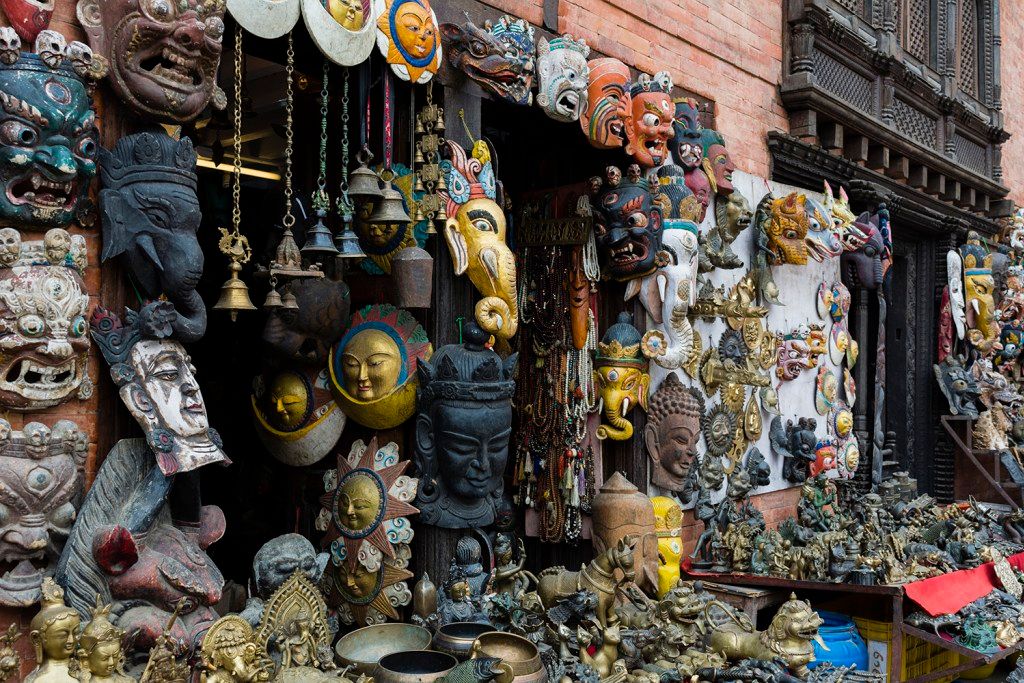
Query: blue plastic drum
[845, 646]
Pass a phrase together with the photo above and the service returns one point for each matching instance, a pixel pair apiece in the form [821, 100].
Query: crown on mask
[467, 177]
[149, 157]
[518, 30]
[53, 54]
[470, 371]
[567, 42]
[659, 82]
[977, 259]
[621, 344]
[116, 339]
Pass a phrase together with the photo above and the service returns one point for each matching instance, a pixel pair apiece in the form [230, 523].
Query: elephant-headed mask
[475, 233]
[48, 136]
[163, 54]
[649, 126]
[863, 251]
[499, 57]
[620, 376]
[608, 103]
[562, 75]
[627, 225]
[979, 294]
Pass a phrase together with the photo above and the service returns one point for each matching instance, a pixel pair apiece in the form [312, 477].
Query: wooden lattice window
[968, 31]
[916, 22]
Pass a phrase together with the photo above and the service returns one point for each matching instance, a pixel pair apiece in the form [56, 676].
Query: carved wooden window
[967, 47]
[916, 22]
[855, 6]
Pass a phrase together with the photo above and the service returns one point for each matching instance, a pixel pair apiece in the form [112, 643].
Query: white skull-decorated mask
[563, 77]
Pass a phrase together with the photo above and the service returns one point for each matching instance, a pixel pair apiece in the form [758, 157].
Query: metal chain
[321, 200]
[289, 220]
[388, 121]
[236, 185]
[345, 208]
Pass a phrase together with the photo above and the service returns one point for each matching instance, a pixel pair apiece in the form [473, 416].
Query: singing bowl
[516, 651]
[457, 638]
[417, 666]
[364, 647]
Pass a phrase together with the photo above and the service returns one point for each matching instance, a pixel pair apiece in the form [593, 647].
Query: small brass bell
[439, 126]
[363, 183]
[273, 300]
[234, 295]
[441, 184]
[418, 159]
[288, 302]
[319, 240]
[419, 127]
[390, 209]
[418, 187]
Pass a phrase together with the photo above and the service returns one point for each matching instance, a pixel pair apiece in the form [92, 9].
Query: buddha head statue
[163, 54]
[620, 377]
[475, 233]
[979, 294]
[54, 630]
[500, 57]
[296, 416]
[48, 135]
[688, 141]
[373, 366]
[716, 162]
[608, 103]
[627, 225]
[100, 650]
[462, 432]
[562, 77]
[673, 432]
[649, 126]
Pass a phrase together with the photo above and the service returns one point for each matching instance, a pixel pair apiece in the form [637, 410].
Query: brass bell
[288, 302]
[418, 187]
[319, 240]
[390, 209]
[441, 184]
[419, 126]
[418, 159]
[234, 295]
[363, 183]
[439, 126]
[273, 300]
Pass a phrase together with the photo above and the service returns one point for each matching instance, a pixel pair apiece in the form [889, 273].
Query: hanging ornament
[427, 160]
[346, 241]
[408, 37]
[319, 241]
[342, 29]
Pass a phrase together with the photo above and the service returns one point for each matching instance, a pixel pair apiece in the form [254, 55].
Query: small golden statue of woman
[52, 633]
[100, 654]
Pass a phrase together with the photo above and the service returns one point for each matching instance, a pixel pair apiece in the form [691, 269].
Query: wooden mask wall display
[673, 432]
[150, 217]
[562, 77]
[296, 417]
[163, 54]
[41, 474]
[408, 37]
[620, 377]
[627, 225]
[500, 57]
[48, 136]
[475, 233]
[373, 366]
[608, 103]
[43, 310]
[649, 127]
[462, 432]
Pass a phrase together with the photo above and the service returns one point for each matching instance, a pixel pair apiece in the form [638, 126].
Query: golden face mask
[668, 524]
[979, 287]
[371, 364]
[296, 419]
[348, 13]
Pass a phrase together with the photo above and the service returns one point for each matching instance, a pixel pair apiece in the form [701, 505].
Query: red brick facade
[1012, 58]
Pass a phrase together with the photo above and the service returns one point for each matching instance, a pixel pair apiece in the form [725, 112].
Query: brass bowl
[516, 651]
[364, 647]
[417, 666]
[457, 638]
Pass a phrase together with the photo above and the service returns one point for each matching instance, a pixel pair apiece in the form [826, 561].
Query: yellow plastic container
[919, 656]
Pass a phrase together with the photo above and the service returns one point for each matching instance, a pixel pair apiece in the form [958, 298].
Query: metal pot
[516, 651]
[457, 638]
[418, 666]
[364, 647]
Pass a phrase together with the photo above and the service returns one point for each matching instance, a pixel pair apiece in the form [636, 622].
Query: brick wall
[1012, 58]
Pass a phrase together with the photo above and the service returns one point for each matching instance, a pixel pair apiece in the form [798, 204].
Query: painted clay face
[627, 226]
[43, 308]
[348, 13]
[41, 487]
[408, 37]
[463, 431]
[48, 136]
[688, 146]
[717, 163]
[499, 57]
[649, 127]
[979, 293]
[673, 432]
[822, 240]
[562, 74]
[783, 229]
[297, 420]
[608, 103]
[163, 55]
[620, 376]
[698, 182]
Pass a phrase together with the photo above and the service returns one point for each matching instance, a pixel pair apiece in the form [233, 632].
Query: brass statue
[167, 657]
[599, 576]
[509, 575]
[10, 660]
[53, 634]
[231, 654]
[100, 649]
[294, 627]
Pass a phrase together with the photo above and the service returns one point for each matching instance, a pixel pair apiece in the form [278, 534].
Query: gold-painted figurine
[100, 649]
[231, 654]
[53, 634]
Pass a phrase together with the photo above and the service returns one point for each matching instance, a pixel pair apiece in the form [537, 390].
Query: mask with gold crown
[621, 378]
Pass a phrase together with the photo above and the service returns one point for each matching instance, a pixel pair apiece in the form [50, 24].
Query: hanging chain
[289, 108]
[236, 185]
[345, 208]
[388, 121]
[321, 200]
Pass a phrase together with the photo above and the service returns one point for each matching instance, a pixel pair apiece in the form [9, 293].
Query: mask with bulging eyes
[627, 225]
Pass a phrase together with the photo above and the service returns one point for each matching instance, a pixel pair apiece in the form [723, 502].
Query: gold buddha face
[371, 364]
[348, 13]
[358, 502]
[57, 640]
[103, 658]
[287, 401]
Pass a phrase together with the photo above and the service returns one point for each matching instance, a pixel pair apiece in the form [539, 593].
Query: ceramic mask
[979, 293]
[822, 240]
[688, 143]
[296, 417]
[562, 77]
[54, 631]
[863, 249]
[826, 390]
[608, 103]
[408, 37]
[462, 432]
[716, 162]
[150, 217]
[649, 126]
[41, 484]
[43, 309]
[475, 233]
[782, 224]
[48, 136]
[373, 366]
[499, 57]
[668, 524]
[620, 377]
[673, 432]
[627, 225]
[700, 185]
[163, 54]
[794, 356]
[957, 304]
[306, 335]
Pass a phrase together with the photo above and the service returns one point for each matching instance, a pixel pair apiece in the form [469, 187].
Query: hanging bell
[419, 126]
[273, 300]
[363, 183]
[439, 126]
[288, 302]
[319, 240]
[412, 269]
[418, 187]
[441, 184]
[418, 158]
[390, 209]
[234, 295]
